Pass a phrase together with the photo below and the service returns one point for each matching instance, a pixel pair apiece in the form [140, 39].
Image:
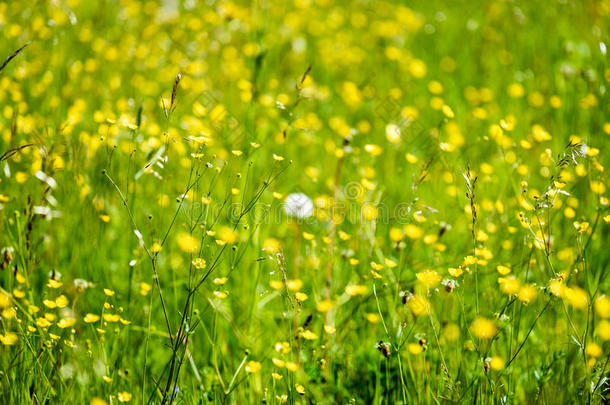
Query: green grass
[454, 153]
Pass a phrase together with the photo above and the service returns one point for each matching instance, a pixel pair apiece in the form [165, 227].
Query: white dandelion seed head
[298, 205]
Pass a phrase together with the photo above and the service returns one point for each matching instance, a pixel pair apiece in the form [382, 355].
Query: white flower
[298, 205]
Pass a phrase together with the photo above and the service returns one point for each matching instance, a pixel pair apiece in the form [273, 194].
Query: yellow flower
[455, 272]
[309, 335]
[353, 290]
[61, 301]
[603, 330]
[324, 306]
[419, 305]
[49, 304]
[253, 366]
[43, 323]
[527, 293]
[415, 348]
[220, 280]
[9, 338]
[272, 245]
[602, 306]
[294, 285]
[145, 288]
[5, 299]
[112, 317]
[483, 328]
[124, 396]
[429, 278]
[413, 231]
[187, 242]
[503, 270]
[496, 363]
[301, 296]
[228, 235]
[300, 389]
[91, 318]
[66, 322]
[509, 285]
[577, 297]
[199, 263]
[593, 350]
[108, 292]
[447, 111]
[54, 283]
[372, 318]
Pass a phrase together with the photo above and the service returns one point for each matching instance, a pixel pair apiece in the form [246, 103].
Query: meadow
[304, 202]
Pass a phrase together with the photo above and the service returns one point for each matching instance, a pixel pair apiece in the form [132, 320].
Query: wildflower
[429, 278]
[527, 293]
[187, 242]
[43, 322]
[602, 306]
[413, 231]
[66, 322]
[145, 288]
[483, 328]
[220, 280]
[61, 301]
[353, 290]
[455, 272]
[372, 318]
[124, 396]
[299, 389]
[272, 245]
[496, 363]
[309, 335]
[509, 285]
[91, 318]
[577, 297]
[9, 338]
[301, 296]
[199, 263]
[294, 285]
[228, 235]
[111, 317]
[593, 350]
[419, 305]
[603, 330]
[324, 306]
[253, 366]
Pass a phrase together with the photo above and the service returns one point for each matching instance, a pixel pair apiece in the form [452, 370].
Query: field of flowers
[309, 201]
